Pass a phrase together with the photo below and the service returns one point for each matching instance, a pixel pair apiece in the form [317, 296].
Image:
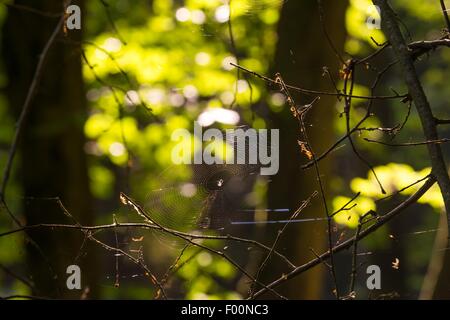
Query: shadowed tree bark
[301, 53]
[428, 122]
[51, 157]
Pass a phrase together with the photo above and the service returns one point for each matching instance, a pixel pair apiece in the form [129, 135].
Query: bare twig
[27, 105]
[445, 13]
[299, 114]
[33, 10]
[439, 168]
[409, 144]
[279, 234]
[136, 261]
[319, 93]
[111, 20]
[18, 277]
[382, 220]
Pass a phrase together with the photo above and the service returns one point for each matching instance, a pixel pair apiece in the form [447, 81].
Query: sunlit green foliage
[199, 276]
[394, 177]
[179, 64]
[158, 74]
[360, 33]
[168, 63]
[416, 17]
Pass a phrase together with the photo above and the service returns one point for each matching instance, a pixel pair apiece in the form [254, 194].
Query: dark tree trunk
[442, 290]
[52, 160]
[302, 52]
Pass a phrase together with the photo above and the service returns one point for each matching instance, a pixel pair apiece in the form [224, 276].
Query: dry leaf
[294, 112]
[396, 264]
[65, 31]
[137, 239]
[304, 149]
[123, 199]
[346, 72]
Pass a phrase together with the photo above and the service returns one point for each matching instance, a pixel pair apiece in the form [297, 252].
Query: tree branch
[27, 105]
[444, 12]
[350, 242]
[421, 47]
[405, 57]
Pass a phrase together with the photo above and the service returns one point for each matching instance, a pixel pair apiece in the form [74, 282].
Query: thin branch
[350, 74]
[170, 271]
[345, 206]
[128, 201]
[235, 53]
[382, 220]
[421, 47]
[147, 225]
[33, 10]
[403, 189]
[18, 277]
[327, 35]
[136, 261]
[111, 20]
[299, 114]
[27, 105]
[21, 296]
[439, 168]
[318, 93]
[278, 237]
[442, 121]
[351, 290]
[363, 119]
[445, 13]
[409, 144]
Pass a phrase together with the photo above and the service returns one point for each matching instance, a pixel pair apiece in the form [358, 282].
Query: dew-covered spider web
[213, 197]
[208, 199]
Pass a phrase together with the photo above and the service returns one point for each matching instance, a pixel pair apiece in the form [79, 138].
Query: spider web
[209, 200]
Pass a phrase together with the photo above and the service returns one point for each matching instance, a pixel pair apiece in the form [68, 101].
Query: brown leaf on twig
[345, 73]
[123, 199]
[305, 150]
[396, 264]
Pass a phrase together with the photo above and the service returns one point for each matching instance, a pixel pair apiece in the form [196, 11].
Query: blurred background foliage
[163, 64]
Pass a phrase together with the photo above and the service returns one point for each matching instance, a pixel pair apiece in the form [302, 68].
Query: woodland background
[110, 96]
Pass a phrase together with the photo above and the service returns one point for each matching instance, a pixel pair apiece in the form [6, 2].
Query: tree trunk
[302, 52]
[52, 160]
